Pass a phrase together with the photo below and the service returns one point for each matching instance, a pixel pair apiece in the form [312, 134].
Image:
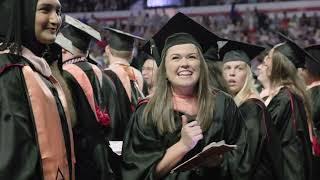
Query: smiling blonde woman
[184, 114]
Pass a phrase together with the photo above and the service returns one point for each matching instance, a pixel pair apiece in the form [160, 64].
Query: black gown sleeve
[252, 115]
[315, 100]
[280, 111]
[119, 126]
[142, 149]
[111, 103]
[233, 123]
[235, 132]
[19, 152]
[91, 150]
[288, 114]
[262, 158]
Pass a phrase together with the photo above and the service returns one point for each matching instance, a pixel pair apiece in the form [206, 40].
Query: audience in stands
[251, 26]
[107, 5]
[95, 5]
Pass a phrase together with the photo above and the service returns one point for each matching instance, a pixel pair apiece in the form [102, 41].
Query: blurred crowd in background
[106, 5]
[252, 26]
[95, 5]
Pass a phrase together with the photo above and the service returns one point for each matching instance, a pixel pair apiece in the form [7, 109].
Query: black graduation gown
[20, 157]
[145, 88]
[91, 149]
[105, 93]
[262, 157]
[144, 147]
[95, 159]
[291, 122]
[315, 100]
[126, 108]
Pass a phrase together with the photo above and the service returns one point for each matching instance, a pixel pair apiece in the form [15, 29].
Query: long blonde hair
[284, 73]
[248, 88]
[159, 110]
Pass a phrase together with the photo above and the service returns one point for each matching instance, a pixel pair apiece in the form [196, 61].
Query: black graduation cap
[181, 29]
[239, 51]
[313, 64]
[140, 59]
[211, 54]
[120, 40]
[145, 56]
[75, 36]
[293, 51]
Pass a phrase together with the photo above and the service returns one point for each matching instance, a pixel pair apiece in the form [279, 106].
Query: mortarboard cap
[313, 64]
[140, 60]
[120, 40]
[181, 29]
[292, 51]
[211, 54]
[268, 46]
[146, 57]
[75, 36]
[239, 51]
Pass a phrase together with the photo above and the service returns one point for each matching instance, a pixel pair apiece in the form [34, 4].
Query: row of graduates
[57, 106]
[277, 136]
[59, 129]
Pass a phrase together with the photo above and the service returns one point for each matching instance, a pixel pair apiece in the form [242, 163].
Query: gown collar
[272, 94]
[313, 84]
[39, 63]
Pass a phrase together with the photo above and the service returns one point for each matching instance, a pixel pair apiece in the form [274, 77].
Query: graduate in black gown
[35, 129]
[289, 107]
[88, 87]
[261, 159]
[311, 75]
[127, 79]
[184, 115]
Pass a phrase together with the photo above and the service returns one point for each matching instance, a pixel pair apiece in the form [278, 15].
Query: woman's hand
[191, 133]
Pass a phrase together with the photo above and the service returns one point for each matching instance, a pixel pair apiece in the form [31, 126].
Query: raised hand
[191, 133]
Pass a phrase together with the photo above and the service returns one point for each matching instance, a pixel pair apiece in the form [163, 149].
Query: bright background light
[161, 3]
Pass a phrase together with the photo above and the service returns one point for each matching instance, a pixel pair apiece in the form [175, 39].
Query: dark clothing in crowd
[125, 106]
[315, 97]
[93, 120]
[35, 129]
[36, 134]
[289, 116]
[262, 159]
[144, 146]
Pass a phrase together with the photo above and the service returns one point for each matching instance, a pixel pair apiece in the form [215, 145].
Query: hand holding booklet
[213, 149]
